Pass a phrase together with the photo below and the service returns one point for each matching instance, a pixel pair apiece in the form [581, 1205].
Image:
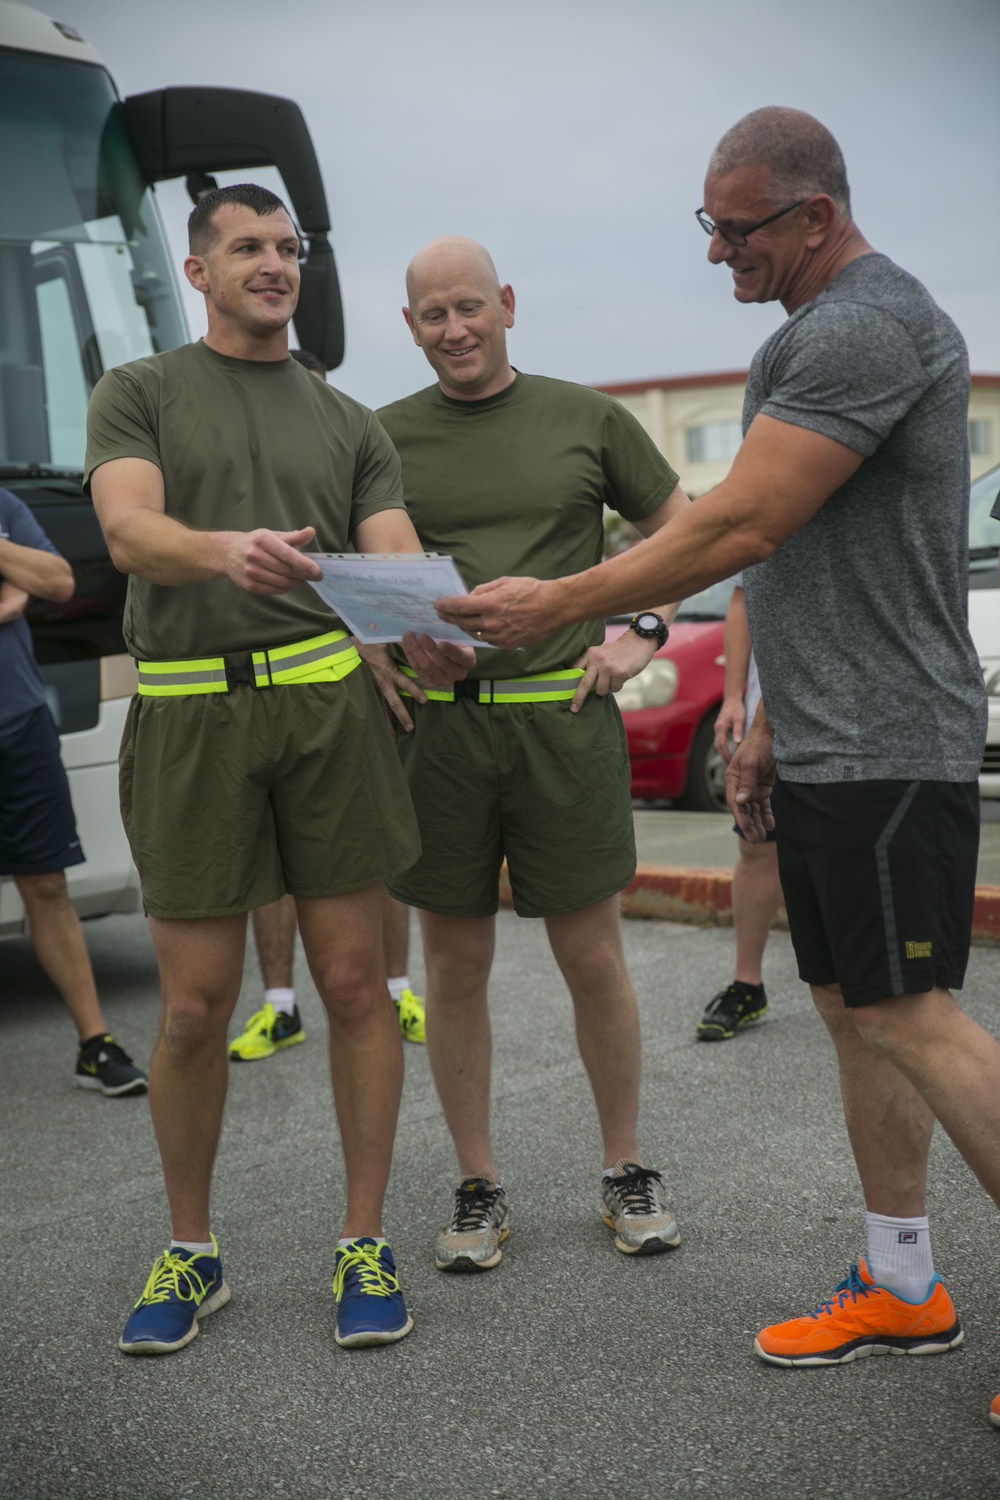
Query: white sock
[899, 1255]
[397, 985]
[195, 1247]
[379, 1240]
[281, 1000]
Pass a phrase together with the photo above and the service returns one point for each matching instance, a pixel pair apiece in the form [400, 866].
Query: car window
[711, 603]
[984, 531]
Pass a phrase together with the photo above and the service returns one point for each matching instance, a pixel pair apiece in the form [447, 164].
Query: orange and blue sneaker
[266, 1033]
[995, 1411]
[183, 1287]
[370, 1305]
[863, 1318]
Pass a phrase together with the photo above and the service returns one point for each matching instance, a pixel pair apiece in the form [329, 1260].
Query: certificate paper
[381, 595]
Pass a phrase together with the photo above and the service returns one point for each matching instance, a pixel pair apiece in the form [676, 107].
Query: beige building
[696, 421]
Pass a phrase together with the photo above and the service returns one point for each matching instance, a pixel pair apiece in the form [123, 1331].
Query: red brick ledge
[674, 893]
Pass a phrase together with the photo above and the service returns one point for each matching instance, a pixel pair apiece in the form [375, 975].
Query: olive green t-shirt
[517, 484]
[241, 444]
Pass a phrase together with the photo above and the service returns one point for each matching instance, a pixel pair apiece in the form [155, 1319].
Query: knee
[877, 1023]
[350, 992]
[42, 890]
[191, 1022]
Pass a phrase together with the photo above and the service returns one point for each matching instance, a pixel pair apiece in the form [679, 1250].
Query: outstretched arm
[142, 539]
[779, 479]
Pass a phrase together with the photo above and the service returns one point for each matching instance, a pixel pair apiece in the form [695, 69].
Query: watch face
[648, 622]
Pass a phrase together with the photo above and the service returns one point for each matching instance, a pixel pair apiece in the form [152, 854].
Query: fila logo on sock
[907, 1236]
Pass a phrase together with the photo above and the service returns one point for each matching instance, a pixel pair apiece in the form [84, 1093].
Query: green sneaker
[266, 1033]
[412, 1020]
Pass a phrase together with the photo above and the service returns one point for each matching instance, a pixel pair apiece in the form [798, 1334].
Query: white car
[984, 613]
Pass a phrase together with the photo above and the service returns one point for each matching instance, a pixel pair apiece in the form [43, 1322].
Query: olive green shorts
[231, 799]
[547, 789]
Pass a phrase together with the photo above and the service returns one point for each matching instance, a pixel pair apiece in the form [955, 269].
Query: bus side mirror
[179, 131]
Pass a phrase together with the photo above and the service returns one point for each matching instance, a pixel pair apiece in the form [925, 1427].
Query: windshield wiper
[685, 615]
[37, 471]
[977, 553]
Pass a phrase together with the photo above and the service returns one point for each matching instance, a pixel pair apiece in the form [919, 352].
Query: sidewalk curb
[675, 893]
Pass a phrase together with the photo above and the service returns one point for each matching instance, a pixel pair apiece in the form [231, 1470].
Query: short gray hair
[801, 154]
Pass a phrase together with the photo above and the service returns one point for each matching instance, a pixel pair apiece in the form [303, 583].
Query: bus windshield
[85, 277]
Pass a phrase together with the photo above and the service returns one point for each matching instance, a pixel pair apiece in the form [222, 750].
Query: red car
[671, 706]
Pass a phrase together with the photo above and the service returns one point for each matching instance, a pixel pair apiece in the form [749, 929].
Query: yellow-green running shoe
[412, 1021]
[266, 1033]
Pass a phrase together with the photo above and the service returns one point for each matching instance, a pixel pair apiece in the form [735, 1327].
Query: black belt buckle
[239, 670]
[467, 687]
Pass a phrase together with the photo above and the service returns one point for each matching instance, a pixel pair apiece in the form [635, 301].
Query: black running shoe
[102, 1064]
[730, 1010]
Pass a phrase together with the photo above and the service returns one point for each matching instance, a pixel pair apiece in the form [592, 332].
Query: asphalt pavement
[569, 1372]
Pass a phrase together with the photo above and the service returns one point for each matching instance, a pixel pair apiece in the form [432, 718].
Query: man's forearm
[700, 547]
[43, 575]
[164, 551]
[13, 601]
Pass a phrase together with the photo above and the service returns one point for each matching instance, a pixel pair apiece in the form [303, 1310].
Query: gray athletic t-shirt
[860, 620]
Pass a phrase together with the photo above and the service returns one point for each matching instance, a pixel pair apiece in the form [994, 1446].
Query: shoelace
[173, 1275]
[634, 1190]
[368, 1269]
[852, 1286]
[262, 1021]
[474, 1203]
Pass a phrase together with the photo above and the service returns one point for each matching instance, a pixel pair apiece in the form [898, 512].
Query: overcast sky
[571, 138]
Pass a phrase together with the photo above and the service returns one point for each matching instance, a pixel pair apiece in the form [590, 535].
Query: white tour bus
[86, 284]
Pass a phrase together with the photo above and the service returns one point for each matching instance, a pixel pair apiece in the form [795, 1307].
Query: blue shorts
[37, 826]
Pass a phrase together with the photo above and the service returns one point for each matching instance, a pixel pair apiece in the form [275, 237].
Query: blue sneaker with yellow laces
[370, 1305]
[183, 1287]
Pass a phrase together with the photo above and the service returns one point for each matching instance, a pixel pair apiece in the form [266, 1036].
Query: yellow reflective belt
[321, 658]
[541, 687]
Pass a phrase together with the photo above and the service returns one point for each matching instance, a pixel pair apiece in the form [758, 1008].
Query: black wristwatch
[650, 626]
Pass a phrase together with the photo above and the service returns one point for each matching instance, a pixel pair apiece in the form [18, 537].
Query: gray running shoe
[634, 1208]
[479, 1225]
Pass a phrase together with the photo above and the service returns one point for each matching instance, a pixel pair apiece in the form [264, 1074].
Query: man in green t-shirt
[526, 759]
[256, 756]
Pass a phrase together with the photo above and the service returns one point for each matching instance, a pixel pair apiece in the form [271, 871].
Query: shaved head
[445, 259]
[800, 154]
[458, 314]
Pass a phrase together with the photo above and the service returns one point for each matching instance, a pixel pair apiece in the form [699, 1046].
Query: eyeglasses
[739, 237]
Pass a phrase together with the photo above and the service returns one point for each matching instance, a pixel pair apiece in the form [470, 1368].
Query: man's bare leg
[274, 929]
[888, 1124]
[951, 1062]
[587, 946]
[756, 898]
[342, 937]
[201, 968]
[59, 945]
[458, 954]
[395, 936]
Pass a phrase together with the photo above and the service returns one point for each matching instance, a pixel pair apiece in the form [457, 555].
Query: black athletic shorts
[37, 827]
[879, 879]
